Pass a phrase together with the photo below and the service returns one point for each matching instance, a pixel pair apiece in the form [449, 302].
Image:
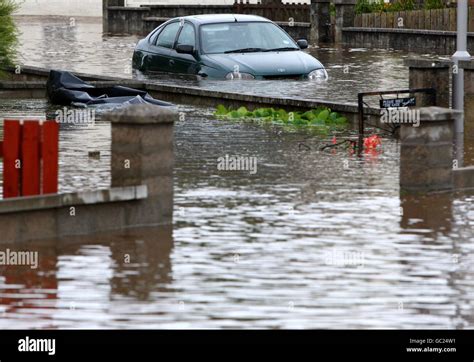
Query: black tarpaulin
[66, 89]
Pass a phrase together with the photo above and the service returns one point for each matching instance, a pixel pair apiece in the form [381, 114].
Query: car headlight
[318, 74]
[238, 75]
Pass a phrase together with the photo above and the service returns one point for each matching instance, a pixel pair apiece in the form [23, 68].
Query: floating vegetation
[321, 117]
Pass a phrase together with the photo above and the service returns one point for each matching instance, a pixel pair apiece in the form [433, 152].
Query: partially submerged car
[226, 46]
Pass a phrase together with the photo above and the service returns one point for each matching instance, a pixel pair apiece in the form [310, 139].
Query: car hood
[266, 63]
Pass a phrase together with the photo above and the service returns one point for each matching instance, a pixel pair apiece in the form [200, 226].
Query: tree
[8, 33]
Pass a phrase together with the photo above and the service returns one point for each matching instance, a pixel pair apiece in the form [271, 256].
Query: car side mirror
[302, 43]
[185, 49]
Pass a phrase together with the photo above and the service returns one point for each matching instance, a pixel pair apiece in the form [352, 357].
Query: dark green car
[226, 46]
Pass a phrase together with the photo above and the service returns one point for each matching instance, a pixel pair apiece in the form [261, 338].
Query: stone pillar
[105, 17]
[142, 154]
[345, 14]
[320, 18]
[426, 156]
[105, 13]
[424, 73]
[468, 107]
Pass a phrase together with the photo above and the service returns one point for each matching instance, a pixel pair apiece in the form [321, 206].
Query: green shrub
[434, 4]
[363, 7]
[402, 5]
[8, 33]
[380, 6]
[377, 6]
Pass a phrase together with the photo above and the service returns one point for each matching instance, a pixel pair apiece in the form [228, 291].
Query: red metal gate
[30, 152]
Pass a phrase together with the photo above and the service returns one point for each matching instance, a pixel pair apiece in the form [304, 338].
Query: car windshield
[244, 37]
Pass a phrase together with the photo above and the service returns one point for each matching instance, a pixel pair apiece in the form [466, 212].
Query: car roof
[223, 18]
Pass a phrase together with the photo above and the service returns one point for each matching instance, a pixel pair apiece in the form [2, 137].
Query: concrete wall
[141, 21]
[297, 31]
[276, 11]
[120, 19]
[427, 152]
[141, 193]
[421, 41]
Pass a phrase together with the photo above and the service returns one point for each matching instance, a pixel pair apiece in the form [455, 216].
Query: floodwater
[313, 239]
[84, 157]
[79, 45]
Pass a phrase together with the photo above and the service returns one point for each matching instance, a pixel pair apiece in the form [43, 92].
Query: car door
[160, 57]
[185, 63]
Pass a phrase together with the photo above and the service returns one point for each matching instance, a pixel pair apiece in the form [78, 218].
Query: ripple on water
[312, 240]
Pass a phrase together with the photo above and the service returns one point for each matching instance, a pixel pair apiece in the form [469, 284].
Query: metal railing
[361, 103]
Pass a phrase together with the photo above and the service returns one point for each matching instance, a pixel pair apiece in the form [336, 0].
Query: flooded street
[80, 46]
[313, 239]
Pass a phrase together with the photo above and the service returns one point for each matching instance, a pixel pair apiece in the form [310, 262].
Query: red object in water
[30, 151]
[50, 154]
[11, 158]
[334, 141]
[30, 159]
[372, 142]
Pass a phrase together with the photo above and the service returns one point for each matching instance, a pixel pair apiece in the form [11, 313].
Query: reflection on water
[73, 44]
[315, 239]
[75, 278]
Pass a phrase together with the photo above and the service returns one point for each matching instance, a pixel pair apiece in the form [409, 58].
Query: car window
[219, 38]
[154, 35]
[168, 35]
[187, 36]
